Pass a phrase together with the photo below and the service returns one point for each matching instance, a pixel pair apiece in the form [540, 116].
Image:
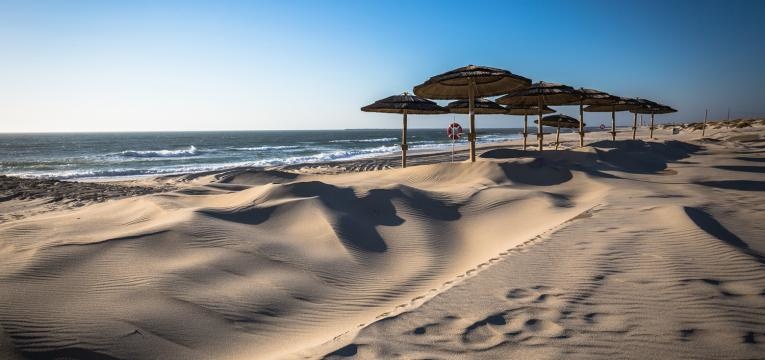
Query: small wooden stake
[540, 133]
[581, 123]
[404, 146]
[525, 129]
[557, 136]
[704, 128]
[471, 110]
[634, 127]
[651, 126]
[613, 123]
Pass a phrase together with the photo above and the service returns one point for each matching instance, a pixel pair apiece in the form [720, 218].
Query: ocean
[130, 155]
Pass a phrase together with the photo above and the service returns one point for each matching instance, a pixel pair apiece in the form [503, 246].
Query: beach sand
[626, 249]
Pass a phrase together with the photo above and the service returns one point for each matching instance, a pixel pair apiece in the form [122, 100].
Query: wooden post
[704, 128]
[404, 146]
[471, 110]
[634, 127]
[581, 123]
[651, 126]
[525, 129]
[540, 133]
[613, 123]
[557, 136]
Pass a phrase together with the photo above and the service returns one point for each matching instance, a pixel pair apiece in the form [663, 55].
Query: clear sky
[218, 65]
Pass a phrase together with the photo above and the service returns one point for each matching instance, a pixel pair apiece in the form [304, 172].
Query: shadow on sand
[709, 224]
[742, 185]
[629, 156]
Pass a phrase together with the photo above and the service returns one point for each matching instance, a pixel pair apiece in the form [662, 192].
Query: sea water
[130, 155]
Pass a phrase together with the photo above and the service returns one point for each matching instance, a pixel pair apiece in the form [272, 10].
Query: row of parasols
[470, 85]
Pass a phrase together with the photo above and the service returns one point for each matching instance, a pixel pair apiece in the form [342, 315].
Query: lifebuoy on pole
[454, 131]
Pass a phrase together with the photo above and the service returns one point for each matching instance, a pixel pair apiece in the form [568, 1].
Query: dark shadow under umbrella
[560, 121]
[470, 82]
[617, 103]
[404, 104]
[541, 94]
[526, 111]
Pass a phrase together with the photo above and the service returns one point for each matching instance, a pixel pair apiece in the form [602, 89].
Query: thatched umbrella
[560, 121]
[480, 107]
[405, 104]
[541, 94]
[656, 109]
[645, 105]
[526, 111]
[470, 82]
[618, 103]
[589, 97]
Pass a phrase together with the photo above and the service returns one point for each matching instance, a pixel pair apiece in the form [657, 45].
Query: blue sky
[217, 65]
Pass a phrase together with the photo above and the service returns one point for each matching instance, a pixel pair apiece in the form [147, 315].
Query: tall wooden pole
[634, 127]
[471, 110]
[404, 146]
[581, 122]
[651, 126]
[613, 123]
[540, 134]
[557, 136]
[704, 128]
[525, 129]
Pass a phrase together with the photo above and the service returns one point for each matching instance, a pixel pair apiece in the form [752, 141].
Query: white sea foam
[364, 140]
[190, 151]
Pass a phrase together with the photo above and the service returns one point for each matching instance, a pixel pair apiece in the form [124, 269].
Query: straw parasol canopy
[589, 97]
[559, 121]
[481, 106]
[470, 82]
[541, 94]
[650, 107]
[526, 111]
[618, 103]
[645, 105]
[405, 104]
[486, 81]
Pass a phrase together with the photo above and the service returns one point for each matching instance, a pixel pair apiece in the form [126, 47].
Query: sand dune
[619, 249]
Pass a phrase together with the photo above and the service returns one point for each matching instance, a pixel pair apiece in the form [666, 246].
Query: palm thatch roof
[481, 106]
[454, 84]
[559, 120]
[660, 110]
[527, 110]
[618, 103]
[411, 103]
[594, 97]
[651, 107]
[550, 93]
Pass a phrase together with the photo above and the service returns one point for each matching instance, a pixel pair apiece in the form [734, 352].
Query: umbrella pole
[651, 126]
[404, 146]
[557, 136]
[525, 129]
[634, 126]
[613, 125]
[540, 134]
[471, 110]
[581, 123]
